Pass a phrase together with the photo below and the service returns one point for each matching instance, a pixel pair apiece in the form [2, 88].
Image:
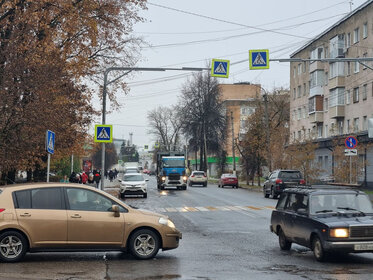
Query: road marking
[240, 208]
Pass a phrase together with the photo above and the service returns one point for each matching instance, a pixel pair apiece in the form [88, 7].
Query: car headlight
[166, 222]
[163, 178]
[339, 232]
[185, 178]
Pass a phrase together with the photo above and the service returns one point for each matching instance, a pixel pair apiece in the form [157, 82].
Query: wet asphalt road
[225, 236]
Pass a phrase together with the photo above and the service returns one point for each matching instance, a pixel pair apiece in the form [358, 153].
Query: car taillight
[302, 182]
[278, 181]
[192, 176]
[2, 209]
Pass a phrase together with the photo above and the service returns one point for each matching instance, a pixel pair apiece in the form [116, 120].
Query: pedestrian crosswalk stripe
[185, 209]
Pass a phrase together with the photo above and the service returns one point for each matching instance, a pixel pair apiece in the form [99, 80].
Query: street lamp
[129, 69]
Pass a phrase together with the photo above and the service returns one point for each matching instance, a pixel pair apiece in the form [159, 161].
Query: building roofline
[358, 9]
[247, 99]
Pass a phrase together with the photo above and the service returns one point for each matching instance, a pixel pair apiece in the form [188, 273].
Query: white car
[198, 178]
[133, 184]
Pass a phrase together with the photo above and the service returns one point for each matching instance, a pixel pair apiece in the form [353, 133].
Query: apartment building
[334, 100]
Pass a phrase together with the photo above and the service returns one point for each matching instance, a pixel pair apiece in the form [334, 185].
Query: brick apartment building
[334, 100]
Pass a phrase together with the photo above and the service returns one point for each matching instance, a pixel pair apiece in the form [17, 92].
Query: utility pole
[233, 154]
[131, 134]
[267, 129]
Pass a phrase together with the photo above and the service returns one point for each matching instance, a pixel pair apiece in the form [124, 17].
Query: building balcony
[317, 90]
[316, 65]
[337, 111]
[337, 82]
[316, 117]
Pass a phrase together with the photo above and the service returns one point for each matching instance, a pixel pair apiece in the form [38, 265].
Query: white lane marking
[203, 209]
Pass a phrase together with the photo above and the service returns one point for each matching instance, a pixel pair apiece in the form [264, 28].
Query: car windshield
[290, 175]
[173, 162]
[131, 171]
[326, 203]
[132, 178]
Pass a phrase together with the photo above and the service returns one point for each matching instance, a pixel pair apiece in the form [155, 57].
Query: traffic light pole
[104, 93]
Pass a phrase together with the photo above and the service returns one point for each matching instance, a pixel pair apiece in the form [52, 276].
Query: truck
[171, 170]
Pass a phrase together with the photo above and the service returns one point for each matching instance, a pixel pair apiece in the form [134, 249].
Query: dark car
[228, 179]
[278, 180]
[326, 220]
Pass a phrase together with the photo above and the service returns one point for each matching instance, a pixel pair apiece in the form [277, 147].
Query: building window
[365, 92]
[299, 69]
[356, 35]
[317, 53]
[348, 40]
[319, 131]
[356, 124]
[348, 126]
[348, 97]
[336, 97]
[304, 112]
[304, 67]
[294, 135]
[365, 123]
[299, 91]
[299, 113]
[356, 67]
[326, 131]
[364, 67]
[340, 127]
[299, 134]
[336, 69]
[348, 68]
[365, 30]
[317, 78]
[355, 97]
[336, 44]
[304, 89]
[247, 111]
[326, 104]
[326, 162]
[294, 93]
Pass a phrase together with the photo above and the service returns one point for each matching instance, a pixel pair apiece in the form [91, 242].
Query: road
[225, 236]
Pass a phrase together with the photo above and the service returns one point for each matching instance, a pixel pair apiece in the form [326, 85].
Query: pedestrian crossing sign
[220, 68]
[103, 133]
[259, 59]
[50, 141]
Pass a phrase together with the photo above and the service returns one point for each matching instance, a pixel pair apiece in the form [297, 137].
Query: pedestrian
[64, 179]
[84, 178]
[72, 178]
[111, 175]
[106, 174]
[97, 177]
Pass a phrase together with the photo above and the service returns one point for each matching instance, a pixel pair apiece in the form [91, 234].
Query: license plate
[363, 247]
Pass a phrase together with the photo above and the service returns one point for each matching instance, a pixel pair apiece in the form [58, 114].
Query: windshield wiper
[351, 209]
[324, 211]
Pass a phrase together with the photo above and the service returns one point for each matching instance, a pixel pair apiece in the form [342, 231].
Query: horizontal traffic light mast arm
[340, 59]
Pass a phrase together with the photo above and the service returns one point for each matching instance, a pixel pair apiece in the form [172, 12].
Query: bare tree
[165, 125]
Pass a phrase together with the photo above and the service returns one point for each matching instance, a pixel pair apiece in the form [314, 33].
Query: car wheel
[273, 194]
[13, 246]
[205, 184]
[284, 243]
[222, 186]
[318, 249]
[145, 195]
[218, 186]
[266, 195]
[144, 244]
[122, 195]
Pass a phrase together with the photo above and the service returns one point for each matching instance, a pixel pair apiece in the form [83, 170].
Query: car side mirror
[146, 180]
[302, 211]
[266, 177]
[115, 209]
[119, 180]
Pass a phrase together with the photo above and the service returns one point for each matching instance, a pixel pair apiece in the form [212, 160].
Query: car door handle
[25, 215]
[76, 216]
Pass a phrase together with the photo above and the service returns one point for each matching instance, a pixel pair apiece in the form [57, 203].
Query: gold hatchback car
[73, 217]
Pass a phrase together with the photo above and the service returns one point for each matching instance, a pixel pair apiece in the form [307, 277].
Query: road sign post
[259, 59]
[49, 145]
[350, 143]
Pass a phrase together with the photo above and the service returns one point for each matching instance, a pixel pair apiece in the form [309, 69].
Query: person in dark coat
[97, 177]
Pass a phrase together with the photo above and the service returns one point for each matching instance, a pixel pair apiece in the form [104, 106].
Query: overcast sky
[191, 33]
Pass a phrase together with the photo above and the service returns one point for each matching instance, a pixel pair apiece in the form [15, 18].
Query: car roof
[323, 189]
[131, 174]
[286, 170]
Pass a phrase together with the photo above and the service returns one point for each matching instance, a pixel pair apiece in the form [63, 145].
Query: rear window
[290, 175]
[199, 173]
[229, 175]
[43, 198]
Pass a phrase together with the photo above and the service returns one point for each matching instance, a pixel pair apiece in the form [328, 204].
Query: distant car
[131, 170]
[278, 180]
[133, 184]
[74, 217]
[228, 179]
[326, 220]
[197, 178]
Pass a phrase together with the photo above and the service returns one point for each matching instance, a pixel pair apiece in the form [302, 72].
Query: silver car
[133, 184]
